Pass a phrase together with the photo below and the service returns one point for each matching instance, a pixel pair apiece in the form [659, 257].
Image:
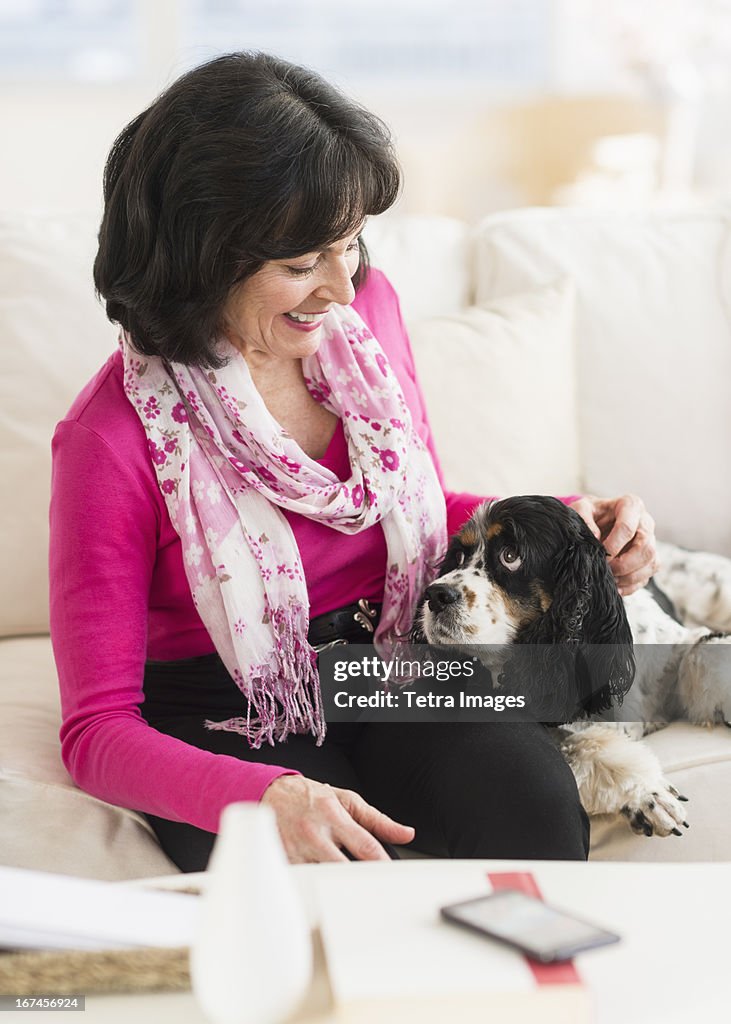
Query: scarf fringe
[285, 700]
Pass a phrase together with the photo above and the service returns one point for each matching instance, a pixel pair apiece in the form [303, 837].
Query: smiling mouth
[306, 318]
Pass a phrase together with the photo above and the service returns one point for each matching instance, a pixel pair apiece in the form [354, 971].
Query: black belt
[184, 686]
[352, 624]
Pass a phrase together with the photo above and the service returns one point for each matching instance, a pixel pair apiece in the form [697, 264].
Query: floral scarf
[225, 467]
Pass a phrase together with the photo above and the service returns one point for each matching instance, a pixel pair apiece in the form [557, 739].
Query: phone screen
[526, 922]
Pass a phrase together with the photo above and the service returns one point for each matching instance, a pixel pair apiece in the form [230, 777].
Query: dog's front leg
[616, 774]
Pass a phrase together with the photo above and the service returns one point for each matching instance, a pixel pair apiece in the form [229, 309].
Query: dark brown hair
[244, 159]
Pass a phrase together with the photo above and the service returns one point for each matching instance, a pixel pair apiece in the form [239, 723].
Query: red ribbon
[544, 974]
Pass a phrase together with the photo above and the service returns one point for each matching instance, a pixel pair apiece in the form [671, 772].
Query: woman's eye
[302, 271]
[352, 250]
[510, 558]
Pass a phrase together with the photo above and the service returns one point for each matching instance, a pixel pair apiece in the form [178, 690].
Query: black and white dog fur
[527, 570]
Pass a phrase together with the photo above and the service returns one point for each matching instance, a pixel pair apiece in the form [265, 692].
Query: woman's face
[277, 313]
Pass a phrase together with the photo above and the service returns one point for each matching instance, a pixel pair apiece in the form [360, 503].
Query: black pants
[485, 789]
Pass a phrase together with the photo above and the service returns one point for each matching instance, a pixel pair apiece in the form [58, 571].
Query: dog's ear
[606, 657]
[590, 661]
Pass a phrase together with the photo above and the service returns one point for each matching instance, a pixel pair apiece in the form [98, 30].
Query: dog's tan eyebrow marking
[468, 536]
[493, 530]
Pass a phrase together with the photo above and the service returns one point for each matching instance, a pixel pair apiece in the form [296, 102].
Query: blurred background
[494, 103]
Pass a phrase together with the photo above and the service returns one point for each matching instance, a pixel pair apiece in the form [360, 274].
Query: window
[85, 40]
[505, 43]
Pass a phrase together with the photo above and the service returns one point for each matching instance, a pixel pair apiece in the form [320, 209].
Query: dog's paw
[657, 813]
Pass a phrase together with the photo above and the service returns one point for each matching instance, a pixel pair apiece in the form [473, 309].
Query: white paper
[384, 936]
[46, 911]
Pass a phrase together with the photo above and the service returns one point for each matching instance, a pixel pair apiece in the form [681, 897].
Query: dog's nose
[439, 595]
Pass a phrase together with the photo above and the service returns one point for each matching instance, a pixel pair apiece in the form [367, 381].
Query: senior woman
[251, 475]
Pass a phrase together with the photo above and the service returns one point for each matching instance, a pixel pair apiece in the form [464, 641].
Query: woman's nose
[337, 286]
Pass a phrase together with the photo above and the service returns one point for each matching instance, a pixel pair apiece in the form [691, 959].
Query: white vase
[251, 961]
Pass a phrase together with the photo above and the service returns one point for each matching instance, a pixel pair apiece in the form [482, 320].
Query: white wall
[55, 142]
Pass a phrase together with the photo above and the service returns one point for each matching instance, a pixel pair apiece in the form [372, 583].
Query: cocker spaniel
[526, 588]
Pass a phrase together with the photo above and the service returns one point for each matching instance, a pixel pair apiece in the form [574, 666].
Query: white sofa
[595, 355]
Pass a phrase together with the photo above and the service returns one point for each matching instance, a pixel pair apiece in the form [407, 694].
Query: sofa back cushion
[499, 384]
[428, 260]
[653, 324]
[53, 336]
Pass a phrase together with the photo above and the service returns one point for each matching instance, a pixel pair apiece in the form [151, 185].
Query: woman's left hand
[627, 531]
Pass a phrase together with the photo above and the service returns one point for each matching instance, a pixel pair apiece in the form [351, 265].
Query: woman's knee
[524, 804]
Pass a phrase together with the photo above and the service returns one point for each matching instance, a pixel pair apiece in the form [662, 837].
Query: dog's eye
[460, 558]
[510, 558]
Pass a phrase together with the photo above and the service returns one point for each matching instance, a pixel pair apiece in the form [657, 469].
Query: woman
[251, 476]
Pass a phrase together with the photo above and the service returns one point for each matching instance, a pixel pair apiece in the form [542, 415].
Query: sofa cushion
[654, 357]
[429, 261]
[46, 822]
[697, 761]
[507, 370]
[54, 335]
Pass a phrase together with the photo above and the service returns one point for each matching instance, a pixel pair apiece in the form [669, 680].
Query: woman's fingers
[627, 512]
[317, 822]
[627, 531]
[639, 553]
[627, 585]
[362, 844]
[320, 853]
[373, 820]
[318, 841]
[635, 566]
[334, 830]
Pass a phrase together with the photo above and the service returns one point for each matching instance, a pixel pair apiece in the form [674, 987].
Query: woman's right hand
[316, 821]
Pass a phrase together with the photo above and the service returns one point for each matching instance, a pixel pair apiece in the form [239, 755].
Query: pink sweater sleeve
[104, 533]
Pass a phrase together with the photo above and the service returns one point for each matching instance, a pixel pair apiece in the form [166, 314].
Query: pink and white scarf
[225, 467]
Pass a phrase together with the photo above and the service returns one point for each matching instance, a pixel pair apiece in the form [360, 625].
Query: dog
[525, 585]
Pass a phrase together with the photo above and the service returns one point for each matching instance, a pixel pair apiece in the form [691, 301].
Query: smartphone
[540, 931]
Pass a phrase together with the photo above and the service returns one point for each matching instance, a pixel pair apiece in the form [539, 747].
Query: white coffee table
[672, 963]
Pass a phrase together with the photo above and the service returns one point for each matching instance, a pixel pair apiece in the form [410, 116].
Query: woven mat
[68, 972]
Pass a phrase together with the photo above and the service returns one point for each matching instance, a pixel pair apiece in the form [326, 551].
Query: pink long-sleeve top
[119, 594]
